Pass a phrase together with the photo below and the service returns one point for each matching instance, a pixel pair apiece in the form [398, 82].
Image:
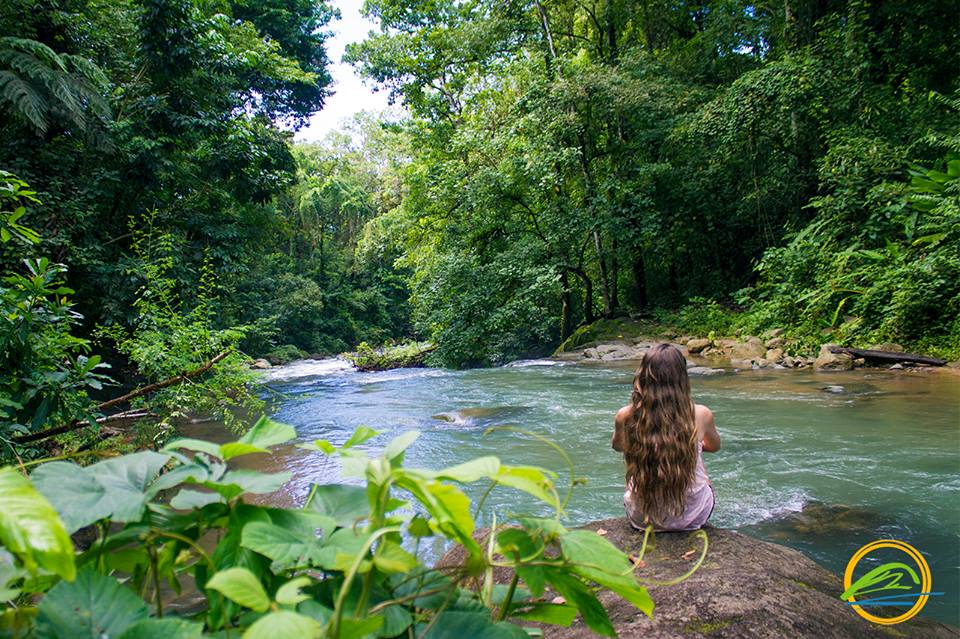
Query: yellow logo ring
[925, 579]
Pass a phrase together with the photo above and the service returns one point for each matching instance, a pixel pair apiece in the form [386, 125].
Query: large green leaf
[241, 586]
[351, 628]
[169, 628]
[345, 504]
[93, 606]
[456, 624]
[284, 623]
[599, 560]
[75, 493]
[30, 527]
[125, 481]
[266, 433]
[285, 547]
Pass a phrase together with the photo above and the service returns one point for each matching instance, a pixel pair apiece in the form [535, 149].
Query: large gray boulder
[828, 361]
[746, 588]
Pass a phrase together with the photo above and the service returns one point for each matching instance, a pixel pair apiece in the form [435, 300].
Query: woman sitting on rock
[662, 435]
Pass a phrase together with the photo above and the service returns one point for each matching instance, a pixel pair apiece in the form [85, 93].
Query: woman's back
[662, 435]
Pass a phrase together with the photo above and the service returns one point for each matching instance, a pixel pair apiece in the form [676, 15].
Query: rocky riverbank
[746, 588]
[628, 340]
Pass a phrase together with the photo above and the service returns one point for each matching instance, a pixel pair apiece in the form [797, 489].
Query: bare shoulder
[703, 414]
[624, 414]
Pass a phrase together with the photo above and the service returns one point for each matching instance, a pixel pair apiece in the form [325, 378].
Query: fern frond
[23, 100]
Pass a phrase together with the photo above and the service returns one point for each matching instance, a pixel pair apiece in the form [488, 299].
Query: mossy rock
[606, 331]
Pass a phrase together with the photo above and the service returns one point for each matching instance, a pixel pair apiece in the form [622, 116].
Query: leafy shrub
[271, 574]
[169, 337]
[700, 316]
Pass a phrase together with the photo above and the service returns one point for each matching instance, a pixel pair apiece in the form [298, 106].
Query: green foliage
[47, 373]
[700, 316]
[407, 354]
[168, 338]
[41, 87]
[346, 564]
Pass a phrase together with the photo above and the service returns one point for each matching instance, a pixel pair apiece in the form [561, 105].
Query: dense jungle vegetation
[789, 165]
[725, 165]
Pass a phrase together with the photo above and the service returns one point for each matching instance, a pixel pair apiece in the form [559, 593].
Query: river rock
[698, 344]
[591, 353]
[745, 589]
[774, 354]
[827, 361]
[261, 364]
[774, 342]
[749, 350]
[897, 367]
[777, 332]
[704, 370]
[836, 390]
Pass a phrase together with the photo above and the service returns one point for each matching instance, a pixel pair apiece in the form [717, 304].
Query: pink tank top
[698, 507]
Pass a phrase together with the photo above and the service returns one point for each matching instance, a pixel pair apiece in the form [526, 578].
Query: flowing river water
[824, 471]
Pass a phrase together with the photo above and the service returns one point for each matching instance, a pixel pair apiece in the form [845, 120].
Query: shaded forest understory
[722, 166]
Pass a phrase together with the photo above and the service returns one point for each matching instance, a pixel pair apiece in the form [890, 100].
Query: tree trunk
[614, 279]
[566, 321]
[639, 281]
[604, 276]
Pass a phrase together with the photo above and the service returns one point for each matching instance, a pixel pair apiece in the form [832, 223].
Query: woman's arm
[619, 423]
[707, 429]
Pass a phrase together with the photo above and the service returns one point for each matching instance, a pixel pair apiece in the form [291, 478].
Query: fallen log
[888, 357]
[110, 403]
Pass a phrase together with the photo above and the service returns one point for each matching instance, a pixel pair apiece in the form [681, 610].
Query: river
[824, 471]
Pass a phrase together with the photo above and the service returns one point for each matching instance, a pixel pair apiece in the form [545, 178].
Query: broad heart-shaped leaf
[266, 433]
[125, 480]
[599, 560]
[456, 624]
[241, 586]
[344, 504]
[285, 547]
[169, 628]
[75, 493]
[31, 529]
[93, 606]
[284, 623]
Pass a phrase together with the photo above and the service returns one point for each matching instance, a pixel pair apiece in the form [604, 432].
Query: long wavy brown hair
[661, 437]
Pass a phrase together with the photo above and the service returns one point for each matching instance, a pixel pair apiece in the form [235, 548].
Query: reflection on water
[824, 471]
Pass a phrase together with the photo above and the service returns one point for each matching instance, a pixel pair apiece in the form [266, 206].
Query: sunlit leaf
[240, 586]
[30, 527]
